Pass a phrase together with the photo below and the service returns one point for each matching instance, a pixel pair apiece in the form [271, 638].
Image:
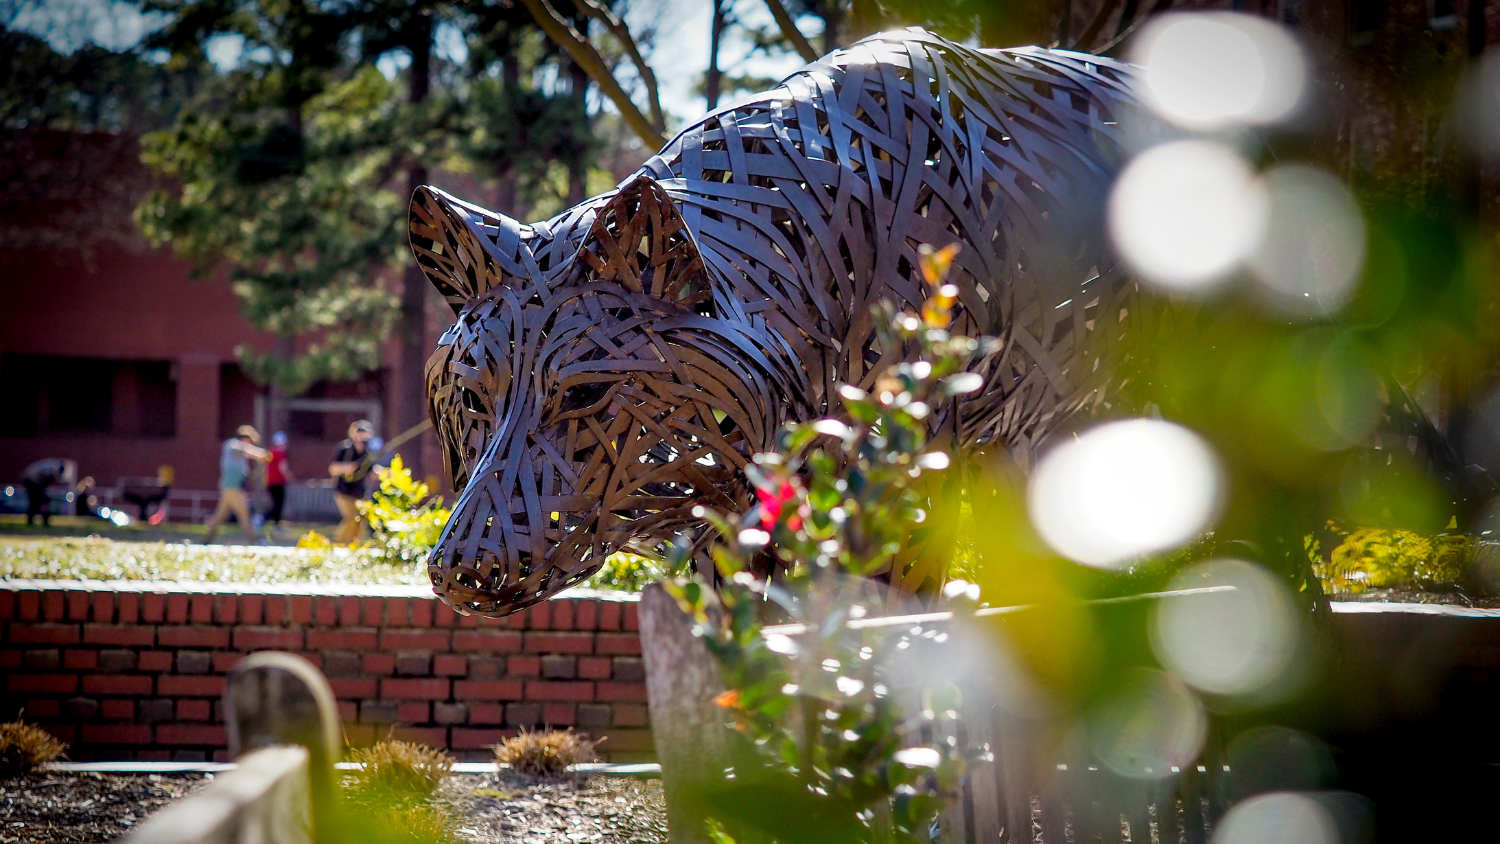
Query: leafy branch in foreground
[836, 716]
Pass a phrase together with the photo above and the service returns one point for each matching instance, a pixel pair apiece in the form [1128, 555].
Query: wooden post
[277, 698]
[263, 801]
[682, 681]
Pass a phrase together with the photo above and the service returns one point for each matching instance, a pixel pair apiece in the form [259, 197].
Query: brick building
[112, 354]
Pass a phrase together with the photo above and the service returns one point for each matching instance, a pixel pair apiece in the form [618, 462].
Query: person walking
[278, 475]
[234, 479]
[349, 468]
[38, 477]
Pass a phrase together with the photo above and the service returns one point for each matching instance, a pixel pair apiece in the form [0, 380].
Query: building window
[45, 394]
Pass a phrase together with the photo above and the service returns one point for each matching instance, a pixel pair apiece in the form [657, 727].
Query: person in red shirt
[278, 475]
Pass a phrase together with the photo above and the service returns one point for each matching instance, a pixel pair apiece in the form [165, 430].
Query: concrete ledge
[647, 770]
[197, 587]
[1377, 607]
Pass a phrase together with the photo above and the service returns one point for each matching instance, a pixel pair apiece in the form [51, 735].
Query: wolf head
[589, 394]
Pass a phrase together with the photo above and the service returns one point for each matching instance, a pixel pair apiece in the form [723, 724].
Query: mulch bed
[508, 808]
[56, 808]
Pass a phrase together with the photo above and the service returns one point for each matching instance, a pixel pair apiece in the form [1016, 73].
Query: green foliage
[625, 572]
[90, 89]
[293, 169]
[840, 499]
[390, 794]
[1381, 558]
[405, 518]
[302, 216]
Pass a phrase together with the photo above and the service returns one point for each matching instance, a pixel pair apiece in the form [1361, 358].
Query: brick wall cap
[335, 590]
[1373, 607]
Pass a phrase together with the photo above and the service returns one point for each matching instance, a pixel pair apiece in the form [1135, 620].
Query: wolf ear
[640, 240]
[463, 249]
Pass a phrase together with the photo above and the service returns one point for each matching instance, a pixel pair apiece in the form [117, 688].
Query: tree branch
[789, 29]
[621, 32]
[1161, 6]
[582, 52]
[1106, 8]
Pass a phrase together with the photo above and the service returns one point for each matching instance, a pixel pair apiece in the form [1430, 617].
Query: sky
[678, 55]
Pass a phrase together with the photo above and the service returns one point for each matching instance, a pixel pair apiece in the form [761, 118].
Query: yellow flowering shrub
[405, 518]
[1388, 558]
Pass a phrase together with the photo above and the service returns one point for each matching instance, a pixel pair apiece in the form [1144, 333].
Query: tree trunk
[714, 77]
[578, 169]
[833, 18]
[276, 412]
[411, 392]
[507, 191]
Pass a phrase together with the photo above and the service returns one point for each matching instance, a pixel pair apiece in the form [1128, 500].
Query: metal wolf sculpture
[617, 365]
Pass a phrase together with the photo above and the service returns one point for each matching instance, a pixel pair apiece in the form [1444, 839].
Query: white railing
[305, 502]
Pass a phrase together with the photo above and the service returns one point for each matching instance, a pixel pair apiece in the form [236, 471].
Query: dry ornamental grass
[24, 748]
[545, 754]
[396, 771]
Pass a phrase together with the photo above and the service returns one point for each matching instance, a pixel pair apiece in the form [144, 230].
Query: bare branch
[1108, 49]
[582, 52]
[789, 29]
[621, 32]
[1106, 8]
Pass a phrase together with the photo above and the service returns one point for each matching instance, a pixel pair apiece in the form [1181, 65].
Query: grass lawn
[78, 549]
[74, 548]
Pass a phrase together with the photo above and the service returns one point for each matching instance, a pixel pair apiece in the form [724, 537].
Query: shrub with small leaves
[1384, 558]
[545, 753]
[405, 518]
[625, 572]
[25, 747]
[827, 707]
[395, 772]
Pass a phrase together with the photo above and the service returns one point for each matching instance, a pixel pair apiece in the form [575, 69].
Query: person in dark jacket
[41, 475]
[350, 466]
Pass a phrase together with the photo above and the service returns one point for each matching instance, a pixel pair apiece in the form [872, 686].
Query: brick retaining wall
[135, 670]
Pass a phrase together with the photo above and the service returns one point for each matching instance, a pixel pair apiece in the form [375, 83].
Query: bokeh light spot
[1151, 723]
[1278, 818]
[1226, 643]
[1205, 71]
[1479, 109]
[1186, 213]
[1313, 244]
[1124, 489]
